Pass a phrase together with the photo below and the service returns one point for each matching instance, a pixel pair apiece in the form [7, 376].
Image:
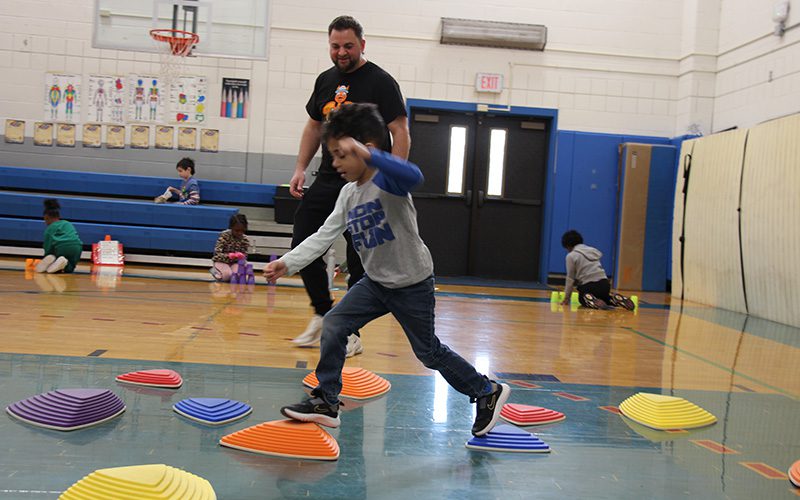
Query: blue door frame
[551, 115]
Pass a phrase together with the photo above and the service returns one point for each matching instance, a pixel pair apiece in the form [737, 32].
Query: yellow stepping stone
[141, 482]
[665, 412]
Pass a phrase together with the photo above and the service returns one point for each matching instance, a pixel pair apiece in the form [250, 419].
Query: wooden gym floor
[81, 330]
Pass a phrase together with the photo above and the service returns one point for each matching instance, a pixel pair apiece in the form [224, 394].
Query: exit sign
[489, 82]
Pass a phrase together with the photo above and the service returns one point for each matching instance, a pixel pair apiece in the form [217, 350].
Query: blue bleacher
[119, 212]
[131, 186]
[138, 225]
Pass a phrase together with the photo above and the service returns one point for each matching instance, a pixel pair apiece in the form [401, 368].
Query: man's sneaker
[315, 410]
[58, 266]
[593, 302]
[312, 334]
[489, 407]
[354, 345]
[620, 300]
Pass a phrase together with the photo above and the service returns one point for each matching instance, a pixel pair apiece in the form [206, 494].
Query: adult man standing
[351, 79]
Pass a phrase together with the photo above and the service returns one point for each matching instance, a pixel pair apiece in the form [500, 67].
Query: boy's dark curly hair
[361, 121]
[186, 164]
[52, 208]
[571, 239]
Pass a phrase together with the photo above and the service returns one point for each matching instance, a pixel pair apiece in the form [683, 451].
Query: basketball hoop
[173, 47]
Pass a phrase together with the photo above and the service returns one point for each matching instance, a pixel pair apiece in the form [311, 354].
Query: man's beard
[349, 66]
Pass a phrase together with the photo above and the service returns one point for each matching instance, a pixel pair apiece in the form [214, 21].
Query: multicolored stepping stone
[212, 411]
[285, 438]
[68, 409]
[508, 438]
[525, 415]
[665, 412]
[794, 474]
[167, 379]
[146, 482]
[357, 383]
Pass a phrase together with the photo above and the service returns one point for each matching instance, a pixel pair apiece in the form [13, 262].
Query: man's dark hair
[361, 121]
[571, 239]
[342, 23]
[186, 164]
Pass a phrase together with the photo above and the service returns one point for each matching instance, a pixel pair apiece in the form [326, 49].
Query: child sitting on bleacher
[189, 192]
[231, 241]
[62, 245]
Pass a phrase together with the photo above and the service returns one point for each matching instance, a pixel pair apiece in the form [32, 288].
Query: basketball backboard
[227, 28]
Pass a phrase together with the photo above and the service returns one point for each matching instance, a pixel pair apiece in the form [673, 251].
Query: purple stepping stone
[68, 409]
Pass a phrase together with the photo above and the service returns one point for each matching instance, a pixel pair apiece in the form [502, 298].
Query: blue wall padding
[585, 191]
[133, 186]
[119, 212]
[658, 223]
[131, 237]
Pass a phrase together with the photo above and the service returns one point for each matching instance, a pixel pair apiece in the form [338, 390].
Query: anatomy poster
[62, 93]
[105, 99]
[146, 99]
[188, 99]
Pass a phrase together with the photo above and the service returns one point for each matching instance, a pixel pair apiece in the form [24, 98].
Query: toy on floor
[244, 272]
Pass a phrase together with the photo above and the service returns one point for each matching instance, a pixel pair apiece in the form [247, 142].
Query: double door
[480, 207]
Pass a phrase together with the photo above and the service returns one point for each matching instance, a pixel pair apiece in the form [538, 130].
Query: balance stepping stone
[153, 481]
[357, 383]
[167, 379]
[524, 415]
[68, 409]
[285, 438]
[508, 438]
[212, 411]
[665, 412]
[794, 474]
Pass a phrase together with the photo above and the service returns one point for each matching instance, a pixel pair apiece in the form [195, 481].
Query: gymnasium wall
[742, 222]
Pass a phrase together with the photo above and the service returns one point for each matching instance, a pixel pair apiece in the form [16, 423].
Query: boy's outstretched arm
[274, 270]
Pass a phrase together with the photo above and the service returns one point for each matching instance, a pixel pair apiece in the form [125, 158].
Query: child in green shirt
[62, 245]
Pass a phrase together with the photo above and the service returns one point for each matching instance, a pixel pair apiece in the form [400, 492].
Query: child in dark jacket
[62, 245]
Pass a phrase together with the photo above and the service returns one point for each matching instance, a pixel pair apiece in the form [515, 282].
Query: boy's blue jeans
[412, 306]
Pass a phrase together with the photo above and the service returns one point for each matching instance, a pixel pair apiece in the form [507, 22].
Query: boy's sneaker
[45, 263]
[593, 302]
[489, 407]
[353, 345]
[57, 266]
[620, 300]
[314, 409]
[312, 333]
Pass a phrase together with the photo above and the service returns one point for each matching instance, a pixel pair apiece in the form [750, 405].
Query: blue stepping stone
[508, 438]
[212, 411]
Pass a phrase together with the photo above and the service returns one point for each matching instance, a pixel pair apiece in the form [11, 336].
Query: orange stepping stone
[285, 438]
[357, 383]
[524, 415]
[154, 378]
[794, 474]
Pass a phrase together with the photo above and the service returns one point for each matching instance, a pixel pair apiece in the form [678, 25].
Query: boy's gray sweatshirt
[583, 266]
[382, 220]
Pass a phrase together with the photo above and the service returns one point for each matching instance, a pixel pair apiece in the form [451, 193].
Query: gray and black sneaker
[620, 300]
[489, 407]
[314, 409]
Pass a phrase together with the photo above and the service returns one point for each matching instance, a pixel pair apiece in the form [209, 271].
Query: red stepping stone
[524, 415]
[168, 379]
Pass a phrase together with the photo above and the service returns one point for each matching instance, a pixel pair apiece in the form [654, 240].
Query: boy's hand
[274, 270]
[565, 302]
[348, 145]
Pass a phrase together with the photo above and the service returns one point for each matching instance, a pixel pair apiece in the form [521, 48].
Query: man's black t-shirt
[369, 84]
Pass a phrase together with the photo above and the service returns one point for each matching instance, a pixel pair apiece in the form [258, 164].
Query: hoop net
[173, 46]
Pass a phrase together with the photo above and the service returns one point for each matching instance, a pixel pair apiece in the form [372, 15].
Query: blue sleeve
[395, 175]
